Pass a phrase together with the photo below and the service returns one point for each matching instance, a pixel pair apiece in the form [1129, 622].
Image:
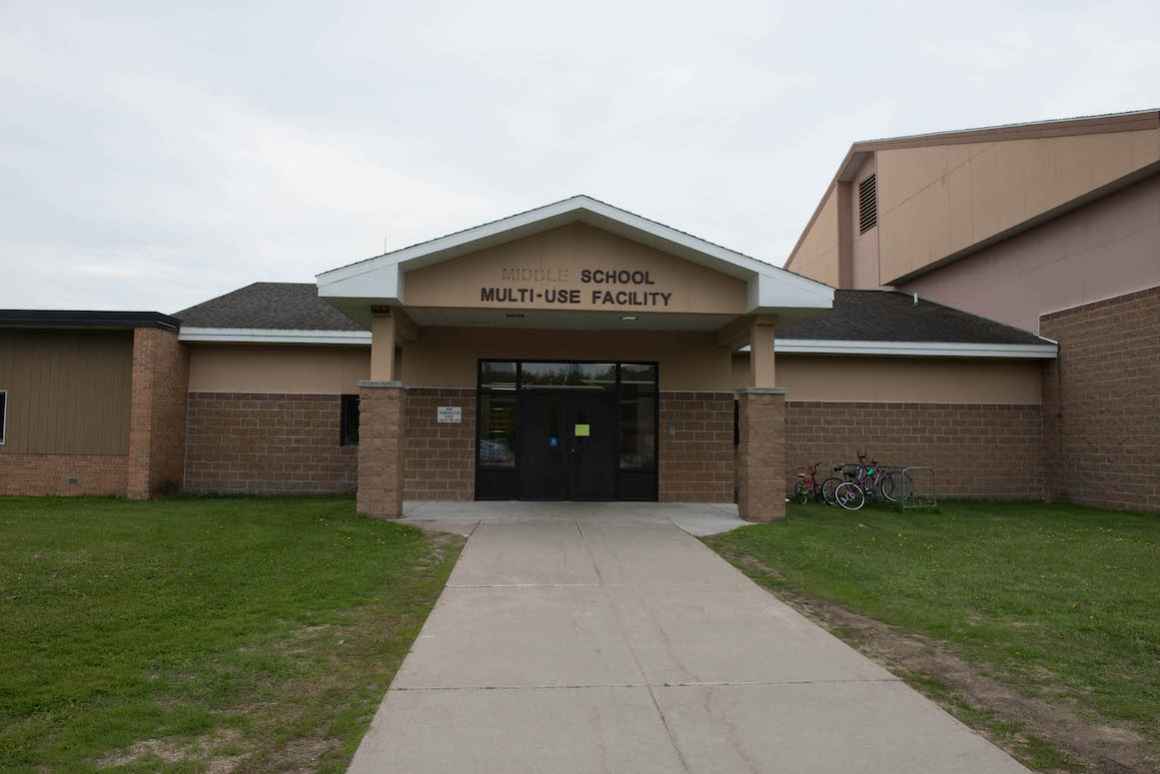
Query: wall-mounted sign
[449, 415]
[599, 287]
[583, 431]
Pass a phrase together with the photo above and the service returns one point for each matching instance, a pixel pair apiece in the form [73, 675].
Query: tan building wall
[902, 380]
[817, 253]
[863, 247]
[554, 261]
[938, 200]
[446, 357]
[1101, 250]
[302, 370]
[68, 391]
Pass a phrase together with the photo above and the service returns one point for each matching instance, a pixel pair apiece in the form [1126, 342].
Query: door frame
[518, 440]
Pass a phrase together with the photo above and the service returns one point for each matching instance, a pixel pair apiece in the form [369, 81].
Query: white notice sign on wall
[449, 415]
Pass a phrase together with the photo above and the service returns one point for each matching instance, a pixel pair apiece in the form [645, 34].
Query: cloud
[155, 156]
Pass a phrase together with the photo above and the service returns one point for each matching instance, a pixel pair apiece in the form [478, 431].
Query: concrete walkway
[603, 638]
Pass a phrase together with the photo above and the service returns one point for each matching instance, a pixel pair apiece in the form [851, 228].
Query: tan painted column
[383, 339]
[761, 361]
[380, 448]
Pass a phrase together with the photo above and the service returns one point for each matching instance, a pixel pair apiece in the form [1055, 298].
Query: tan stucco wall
[1104, 249]
[554, 260]
[446, 357]
[816, 255]
[864, 247]
[935, 201]
[902, 380]
[287, 369]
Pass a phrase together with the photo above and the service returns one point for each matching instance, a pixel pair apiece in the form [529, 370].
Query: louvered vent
[867, 204]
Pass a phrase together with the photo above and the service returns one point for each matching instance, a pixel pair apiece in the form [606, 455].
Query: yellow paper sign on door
[583, 431]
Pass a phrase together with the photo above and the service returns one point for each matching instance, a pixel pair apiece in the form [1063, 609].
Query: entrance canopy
[583, 263]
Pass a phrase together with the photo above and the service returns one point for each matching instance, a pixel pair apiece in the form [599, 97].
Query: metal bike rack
[915, 488]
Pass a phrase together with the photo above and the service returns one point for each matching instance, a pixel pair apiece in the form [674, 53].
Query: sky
[153, 156]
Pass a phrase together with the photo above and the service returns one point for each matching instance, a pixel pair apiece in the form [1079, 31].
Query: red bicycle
[807, 487]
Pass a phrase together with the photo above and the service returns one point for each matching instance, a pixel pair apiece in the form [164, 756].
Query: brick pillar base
[761, 454]
[380, 449]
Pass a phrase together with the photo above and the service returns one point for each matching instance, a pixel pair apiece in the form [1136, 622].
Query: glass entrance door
[567, 431]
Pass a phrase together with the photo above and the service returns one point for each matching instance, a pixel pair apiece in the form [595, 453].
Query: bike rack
[917, 488]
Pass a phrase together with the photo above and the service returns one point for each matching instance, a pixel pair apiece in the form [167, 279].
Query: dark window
[736, 423]
[497, 376]
[867, 204]
[348, 433]
[497, 430]
[638, 416]
[3, 414]
[580, 376]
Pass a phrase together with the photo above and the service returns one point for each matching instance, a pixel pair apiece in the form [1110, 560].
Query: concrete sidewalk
[585, 638]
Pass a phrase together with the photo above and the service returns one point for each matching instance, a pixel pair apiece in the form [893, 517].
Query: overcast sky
[153, 156]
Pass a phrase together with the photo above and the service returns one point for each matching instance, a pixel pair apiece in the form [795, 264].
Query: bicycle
[807, 487]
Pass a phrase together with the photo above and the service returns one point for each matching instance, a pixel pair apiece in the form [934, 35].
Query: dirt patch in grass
[1049, 736]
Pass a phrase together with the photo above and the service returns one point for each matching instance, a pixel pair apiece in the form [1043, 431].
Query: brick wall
[258, 443]
[382, 424]
[975, 451]
[1102, 403]
[55, 474]
[157, 413]
[439, 460]
[696, 447]
[761, 424]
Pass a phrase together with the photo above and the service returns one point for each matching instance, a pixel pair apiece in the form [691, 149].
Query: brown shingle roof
[858, 315]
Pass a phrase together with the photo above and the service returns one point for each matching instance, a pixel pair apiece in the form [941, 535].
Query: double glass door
[567, 431]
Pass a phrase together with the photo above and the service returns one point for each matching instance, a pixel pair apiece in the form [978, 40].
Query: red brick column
[761, 454]
[380, 450]
[157, 413]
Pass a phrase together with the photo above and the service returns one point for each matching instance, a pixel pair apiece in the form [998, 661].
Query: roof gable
[380, 279]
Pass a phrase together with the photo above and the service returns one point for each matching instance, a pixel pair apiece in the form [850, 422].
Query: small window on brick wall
[3, 415]
[348, 433]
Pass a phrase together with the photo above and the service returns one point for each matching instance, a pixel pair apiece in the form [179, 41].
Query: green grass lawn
[190, 633]
[1063, 603]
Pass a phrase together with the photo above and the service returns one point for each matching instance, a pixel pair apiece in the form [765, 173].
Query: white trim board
[274, 336]
[1045, 351]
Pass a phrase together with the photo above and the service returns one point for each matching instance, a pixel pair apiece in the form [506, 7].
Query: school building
[985, 303]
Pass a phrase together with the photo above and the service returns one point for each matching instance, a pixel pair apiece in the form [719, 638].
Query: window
[638, 416]
[867, 204]
[3, 414]
[348, 430]
[497, 430]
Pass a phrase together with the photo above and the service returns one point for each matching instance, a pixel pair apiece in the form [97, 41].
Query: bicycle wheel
[850, 496]
[800, 495]
[897, 486]
[828, 487]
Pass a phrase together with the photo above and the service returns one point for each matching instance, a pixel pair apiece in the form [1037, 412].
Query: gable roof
[878, 320]
[269, 306]
[379, 279]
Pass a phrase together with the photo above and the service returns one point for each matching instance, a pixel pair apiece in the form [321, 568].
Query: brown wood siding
[68, 391]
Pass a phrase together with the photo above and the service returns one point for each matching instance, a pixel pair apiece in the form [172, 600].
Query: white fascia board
[770, 293]
[1045, 351]
[273, 336]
